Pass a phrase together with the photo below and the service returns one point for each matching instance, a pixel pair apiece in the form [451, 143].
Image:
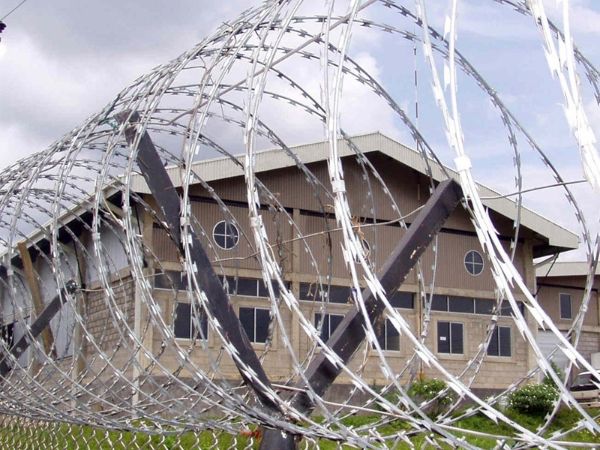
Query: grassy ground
[84, 437]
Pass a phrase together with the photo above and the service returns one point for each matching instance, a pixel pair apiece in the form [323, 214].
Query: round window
[474, 262]
[226, 235]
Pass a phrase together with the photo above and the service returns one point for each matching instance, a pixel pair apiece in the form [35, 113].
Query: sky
[62, 61]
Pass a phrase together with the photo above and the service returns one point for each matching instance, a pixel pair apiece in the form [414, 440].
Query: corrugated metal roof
[224, 167]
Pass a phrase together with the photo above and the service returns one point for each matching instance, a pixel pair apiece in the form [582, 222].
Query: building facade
[560, 291]
[388, 181]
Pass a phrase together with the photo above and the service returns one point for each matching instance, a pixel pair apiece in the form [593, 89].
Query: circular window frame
[465, 263]
[226, 222]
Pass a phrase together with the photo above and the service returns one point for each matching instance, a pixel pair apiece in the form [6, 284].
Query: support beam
[41, 323]
[36, 295]
[79, 347]
[350, 333]
[168, 201]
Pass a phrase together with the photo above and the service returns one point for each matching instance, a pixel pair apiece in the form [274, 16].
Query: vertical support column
[36, 295]
[530, 281]
[79, 366]
[596, 298]
[296, 249]
[142, 326]
[419, 320]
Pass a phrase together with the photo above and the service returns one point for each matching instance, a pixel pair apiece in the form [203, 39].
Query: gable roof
[558, 238]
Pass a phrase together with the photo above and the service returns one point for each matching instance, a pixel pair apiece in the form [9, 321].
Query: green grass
[72, 437]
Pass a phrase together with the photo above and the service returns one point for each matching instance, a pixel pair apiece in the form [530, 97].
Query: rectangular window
[461, 305]
[256, 323]
[340, 294]
[439, 303]
[328, 324]
[249, 287]
[403, 300]
[468, 305]
[450, 337]
[189, 323]
[500, 342]
[170, 279]
[307, 291]
[506, 309]
[337, 294]
[388, 336]
[484, 306]
[565, 306]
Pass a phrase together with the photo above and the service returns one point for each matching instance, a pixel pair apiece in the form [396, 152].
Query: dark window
[403, 300]
[337, 294]
[226, 235]
[264, 292]
[474, 262]
[439, 303]
[308, 291]
[256, 323]
[170, 279]
[189, 323]
[388, 336]
[450, 337]
[460, 304]
[506, 309]
[247, 286]
[565, 306]
[250, 287]
[484, 306]
[7, 334]
[329, 323]
[500, 342]
[230, 285]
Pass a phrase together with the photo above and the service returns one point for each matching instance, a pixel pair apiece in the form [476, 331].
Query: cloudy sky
[61, 61]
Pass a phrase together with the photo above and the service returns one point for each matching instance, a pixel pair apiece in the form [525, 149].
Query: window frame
[260, 291]
[473, 263]
[203, 322]
[252, 338]
[321, 321]
[505, 309]
[497, 335]
[450, 345]
[384, 328]
[225, 234]
[560, 305]
[179, 284]
[331, 294]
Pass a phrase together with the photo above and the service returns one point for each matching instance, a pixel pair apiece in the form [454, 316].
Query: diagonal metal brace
[350, 333]
[37, 327]
[168, 201]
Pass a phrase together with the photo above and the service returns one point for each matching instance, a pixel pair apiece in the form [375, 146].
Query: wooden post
[36, 295]
[80, 308]
[143, 329]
